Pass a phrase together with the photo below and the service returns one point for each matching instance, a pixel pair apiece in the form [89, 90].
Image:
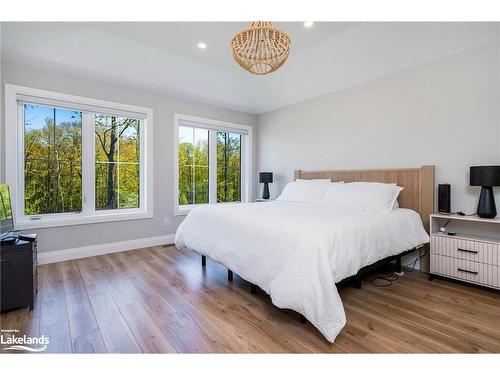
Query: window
[193, 165]
[212, 161]
[52, 160]
[74, 160]
[117, 162]
[228, 167]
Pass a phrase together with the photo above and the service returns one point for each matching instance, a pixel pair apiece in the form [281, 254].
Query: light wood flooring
[160, 300]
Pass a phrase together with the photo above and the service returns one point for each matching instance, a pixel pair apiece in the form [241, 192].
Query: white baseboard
[106, 248]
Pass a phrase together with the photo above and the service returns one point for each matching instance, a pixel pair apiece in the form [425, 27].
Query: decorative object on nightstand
[470, 253]
[444, 198]
[486, 177]
[266, 178]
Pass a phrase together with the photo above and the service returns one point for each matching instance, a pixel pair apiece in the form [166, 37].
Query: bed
[298, 252]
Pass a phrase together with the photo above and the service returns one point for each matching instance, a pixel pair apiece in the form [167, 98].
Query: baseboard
[107, 248]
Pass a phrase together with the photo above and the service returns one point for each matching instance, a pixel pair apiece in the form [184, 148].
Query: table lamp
[265, 178]
[486, 177]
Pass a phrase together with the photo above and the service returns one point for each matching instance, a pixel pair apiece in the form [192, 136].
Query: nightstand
[263, 200]
[471, 255]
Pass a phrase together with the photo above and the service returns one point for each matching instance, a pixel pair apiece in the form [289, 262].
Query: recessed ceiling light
[308, 24]
[202, 45]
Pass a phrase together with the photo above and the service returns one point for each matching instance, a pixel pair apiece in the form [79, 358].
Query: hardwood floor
[160, 300]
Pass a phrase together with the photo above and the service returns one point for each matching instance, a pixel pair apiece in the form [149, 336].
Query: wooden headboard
[418, 183]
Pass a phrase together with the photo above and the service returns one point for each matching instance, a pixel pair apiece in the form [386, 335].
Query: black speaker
[444, 200]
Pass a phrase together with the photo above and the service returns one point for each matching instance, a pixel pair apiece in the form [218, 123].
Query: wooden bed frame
[418, 195]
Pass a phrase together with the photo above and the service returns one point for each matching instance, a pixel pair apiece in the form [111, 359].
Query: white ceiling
[163, 57]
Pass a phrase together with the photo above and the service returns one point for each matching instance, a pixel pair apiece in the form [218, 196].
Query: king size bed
[297, 251]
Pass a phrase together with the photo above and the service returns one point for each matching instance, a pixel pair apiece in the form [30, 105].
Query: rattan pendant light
[261, 48]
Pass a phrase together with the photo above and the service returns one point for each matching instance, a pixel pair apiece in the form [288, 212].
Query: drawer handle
[468, 251]
[467, 271]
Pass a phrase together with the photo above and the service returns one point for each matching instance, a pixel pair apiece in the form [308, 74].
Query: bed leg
[229, 275]
[203, 260]
[253, 289]
[303, 319]
[357, 282]
[431, 277]
[397, 266]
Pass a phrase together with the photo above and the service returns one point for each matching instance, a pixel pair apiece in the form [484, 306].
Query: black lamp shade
[265, 177]
[485, 176]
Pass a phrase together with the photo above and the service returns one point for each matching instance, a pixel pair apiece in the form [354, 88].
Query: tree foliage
[53, 161]
[53, 167]
[228, 167]
[117, 162]
[194, 168]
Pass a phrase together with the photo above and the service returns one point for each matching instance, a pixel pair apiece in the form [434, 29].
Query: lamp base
[486, 207]
[265, 192]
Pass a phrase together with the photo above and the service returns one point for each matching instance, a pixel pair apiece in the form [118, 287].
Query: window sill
[80, 219]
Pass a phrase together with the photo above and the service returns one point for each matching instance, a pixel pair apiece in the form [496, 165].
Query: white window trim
[247, 152]
[14, 162]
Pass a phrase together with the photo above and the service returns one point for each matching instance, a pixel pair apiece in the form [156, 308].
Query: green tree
[228, 167]
[53, 163]
[117, 162]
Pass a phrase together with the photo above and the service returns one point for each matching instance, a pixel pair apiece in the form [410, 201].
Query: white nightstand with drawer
[471, 255]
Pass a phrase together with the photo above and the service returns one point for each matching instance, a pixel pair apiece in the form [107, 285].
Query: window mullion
[88, 163]
[212, 166]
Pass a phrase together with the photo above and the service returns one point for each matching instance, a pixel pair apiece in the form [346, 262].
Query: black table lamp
[486, 177]
[265, 178]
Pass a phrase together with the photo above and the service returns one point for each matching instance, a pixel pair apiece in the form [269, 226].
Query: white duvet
[296, 252]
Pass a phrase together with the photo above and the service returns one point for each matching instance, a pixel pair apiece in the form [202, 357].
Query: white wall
[164, 108]
[444, 113]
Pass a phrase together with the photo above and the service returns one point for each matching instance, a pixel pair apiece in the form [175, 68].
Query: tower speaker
[444, 200]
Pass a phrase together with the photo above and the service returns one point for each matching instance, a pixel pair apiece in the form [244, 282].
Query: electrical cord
[414, 263]
[389, 276]
[384, 279]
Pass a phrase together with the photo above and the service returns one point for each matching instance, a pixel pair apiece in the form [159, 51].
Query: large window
[74, 160]
[52, 160]
[212, 162]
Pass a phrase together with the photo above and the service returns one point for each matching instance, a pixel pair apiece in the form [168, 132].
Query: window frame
[14, 161]
[246, 158]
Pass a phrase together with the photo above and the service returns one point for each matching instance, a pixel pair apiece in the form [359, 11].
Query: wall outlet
[166, 221]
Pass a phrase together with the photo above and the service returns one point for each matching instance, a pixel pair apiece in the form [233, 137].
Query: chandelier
[261, 48]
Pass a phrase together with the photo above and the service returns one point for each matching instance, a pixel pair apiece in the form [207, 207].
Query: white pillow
[373, 196]
[304, 191]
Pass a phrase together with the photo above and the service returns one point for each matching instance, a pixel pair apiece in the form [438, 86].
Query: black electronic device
[444, 198]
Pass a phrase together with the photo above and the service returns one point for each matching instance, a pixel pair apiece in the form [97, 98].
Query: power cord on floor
[384, 279]
[389, 275]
